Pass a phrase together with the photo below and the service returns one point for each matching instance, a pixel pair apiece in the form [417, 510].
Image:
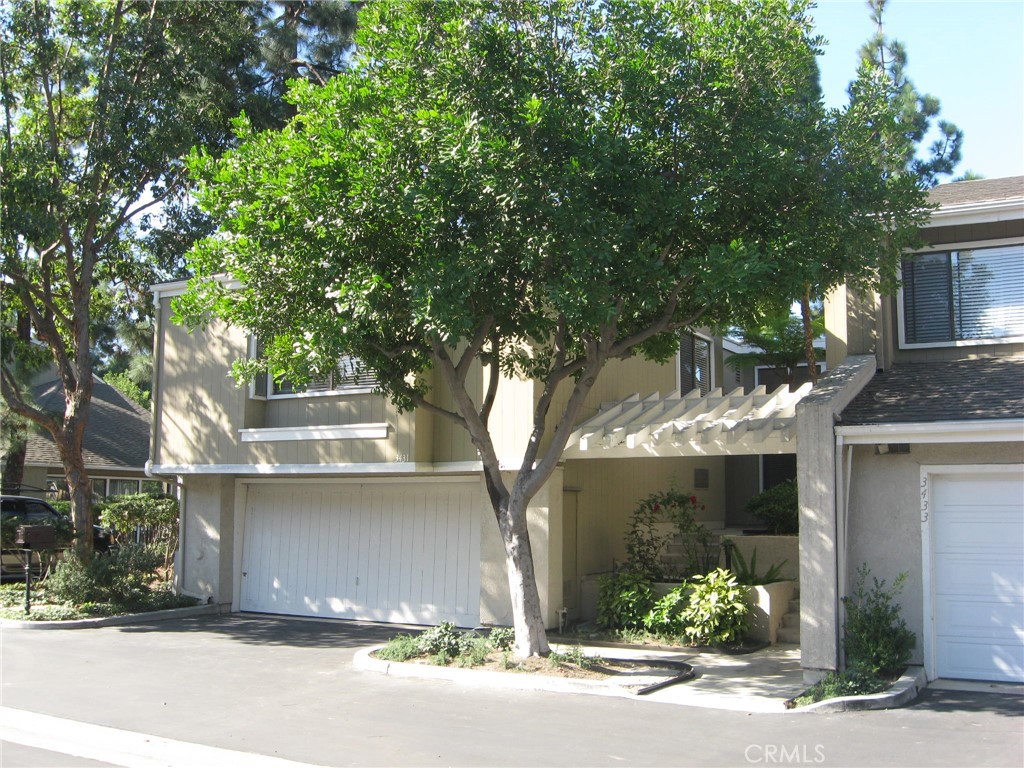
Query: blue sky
[969, 53]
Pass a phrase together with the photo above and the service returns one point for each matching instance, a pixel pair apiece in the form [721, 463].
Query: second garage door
[396, 552]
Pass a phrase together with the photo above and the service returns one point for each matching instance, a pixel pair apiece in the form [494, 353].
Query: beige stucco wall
[204, 562]
[884, 517]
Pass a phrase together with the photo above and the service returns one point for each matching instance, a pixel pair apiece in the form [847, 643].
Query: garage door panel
[402, 553]
[977, 577]
[971, 575]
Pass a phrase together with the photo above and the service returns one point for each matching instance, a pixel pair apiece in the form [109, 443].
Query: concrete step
[791, 619]
[794, 606]
[789, 634]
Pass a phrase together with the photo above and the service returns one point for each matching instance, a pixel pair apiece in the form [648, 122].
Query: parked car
[26, 510]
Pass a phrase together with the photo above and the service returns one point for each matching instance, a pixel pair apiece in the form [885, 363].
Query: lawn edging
[902, 692]
[113, 621]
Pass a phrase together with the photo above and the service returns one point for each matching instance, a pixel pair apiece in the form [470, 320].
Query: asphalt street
[253, 690]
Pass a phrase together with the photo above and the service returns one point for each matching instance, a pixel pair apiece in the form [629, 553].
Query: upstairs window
[350, 376]
[963, 296]
[694, 363]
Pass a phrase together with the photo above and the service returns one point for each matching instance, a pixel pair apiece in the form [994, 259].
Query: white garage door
[401, 552]
[978, 576]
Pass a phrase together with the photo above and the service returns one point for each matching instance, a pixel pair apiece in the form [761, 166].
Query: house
[911, 453]
[329, 502]
[115, 447]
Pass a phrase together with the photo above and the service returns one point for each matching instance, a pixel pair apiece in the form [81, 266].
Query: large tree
[536, 188]
[100, 103]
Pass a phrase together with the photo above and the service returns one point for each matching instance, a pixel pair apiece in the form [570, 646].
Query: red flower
[693, 500]
[656, 508]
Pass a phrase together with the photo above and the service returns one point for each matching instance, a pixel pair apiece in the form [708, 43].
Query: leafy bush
[665, 618]
[717, 612]
[473, 652]
[646, 536]
[121, 578]
[154, 512]
[401, 648]
[778, 508]
[877, 640]
[502, 638]
[443, 640]
[747, 574]
[623, 599]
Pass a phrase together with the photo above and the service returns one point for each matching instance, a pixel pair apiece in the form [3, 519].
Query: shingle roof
[980, 191]
[117, 434]
[965, 390]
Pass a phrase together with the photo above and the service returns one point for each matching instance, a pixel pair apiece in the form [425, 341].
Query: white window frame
[711, 362]
[951, 248]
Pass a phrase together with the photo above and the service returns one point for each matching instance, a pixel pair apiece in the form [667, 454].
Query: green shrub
[473, 652]
[716, 613]
[623, 599]
[877, 640]
[646, 536]
[444, 639]
[154, 512]
[401, 648]
[747, 574]
[778, 508]
[121, 578]
[502, 638]
[665, 618]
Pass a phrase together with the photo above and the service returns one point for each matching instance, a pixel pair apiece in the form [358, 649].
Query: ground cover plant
[125, 581]
[446, 645]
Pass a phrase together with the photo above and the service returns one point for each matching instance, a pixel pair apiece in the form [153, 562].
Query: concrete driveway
[287, 689]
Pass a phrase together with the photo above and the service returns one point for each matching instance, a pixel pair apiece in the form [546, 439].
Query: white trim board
[416, 468]
[374, 431]
[978, 431]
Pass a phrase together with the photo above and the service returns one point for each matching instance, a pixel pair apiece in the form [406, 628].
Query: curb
[486, 678]
[113, 621]
[902, 692]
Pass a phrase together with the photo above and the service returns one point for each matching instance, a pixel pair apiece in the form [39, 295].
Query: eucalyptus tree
[534, 188]
[100, 103]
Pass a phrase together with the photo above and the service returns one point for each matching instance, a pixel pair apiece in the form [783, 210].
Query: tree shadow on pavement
[1000, 703]
[275, 631]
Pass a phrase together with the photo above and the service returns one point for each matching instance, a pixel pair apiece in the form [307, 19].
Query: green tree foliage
[100, 102]
[536, 188]
[778, 342]
[917, 113]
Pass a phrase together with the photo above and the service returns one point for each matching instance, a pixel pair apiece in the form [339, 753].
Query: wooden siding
[201, 409]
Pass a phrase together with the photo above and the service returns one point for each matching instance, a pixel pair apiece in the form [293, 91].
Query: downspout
[844, 476]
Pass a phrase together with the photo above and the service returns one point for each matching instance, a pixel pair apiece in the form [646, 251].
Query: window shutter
[694, 364]
[927, 298]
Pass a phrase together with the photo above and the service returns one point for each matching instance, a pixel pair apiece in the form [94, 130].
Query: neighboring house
[115, 448]
[911, 453]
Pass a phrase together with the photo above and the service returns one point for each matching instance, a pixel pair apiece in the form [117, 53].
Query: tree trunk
[809, 351]
[527, 619]
[69, 445]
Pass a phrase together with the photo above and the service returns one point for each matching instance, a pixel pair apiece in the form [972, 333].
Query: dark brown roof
[965, 390]
[117, 434]
[980, 191]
